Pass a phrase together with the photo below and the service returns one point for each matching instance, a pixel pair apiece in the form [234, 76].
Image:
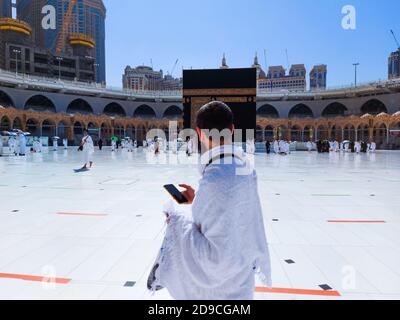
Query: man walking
[216, 254]
[88, 150]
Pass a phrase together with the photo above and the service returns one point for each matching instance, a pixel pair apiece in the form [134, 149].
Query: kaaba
[235, 87]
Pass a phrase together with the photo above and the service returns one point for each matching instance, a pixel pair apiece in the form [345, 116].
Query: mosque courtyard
[332, 222]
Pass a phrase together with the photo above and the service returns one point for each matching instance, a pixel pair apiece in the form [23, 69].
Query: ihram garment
[216, 254]
[88, 148]
[22, 144]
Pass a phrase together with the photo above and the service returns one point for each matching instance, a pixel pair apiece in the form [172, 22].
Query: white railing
[372, 85]
[95, 88]
[100, 89]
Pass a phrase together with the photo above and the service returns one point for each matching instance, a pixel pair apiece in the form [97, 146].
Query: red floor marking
[34, 278]
[298, 291]
[356, 221]
[82, 214]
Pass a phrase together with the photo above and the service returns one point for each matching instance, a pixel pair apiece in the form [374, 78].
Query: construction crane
[64, 28]
[173, 68]
[395, 39]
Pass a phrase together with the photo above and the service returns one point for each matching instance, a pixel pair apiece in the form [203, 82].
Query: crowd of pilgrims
[325, 146]
[282, 147]
[322, 146]
[155, 145]
[279, 147]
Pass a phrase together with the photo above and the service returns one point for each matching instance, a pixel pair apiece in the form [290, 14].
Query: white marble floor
[333, 224]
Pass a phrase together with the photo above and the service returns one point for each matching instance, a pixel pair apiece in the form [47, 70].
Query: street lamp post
[16, 61]
[59, 59]
[96, 65]
[355, 73]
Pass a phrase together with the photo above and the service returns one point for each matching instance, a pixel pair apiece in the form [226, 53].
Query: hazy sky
[198, 32]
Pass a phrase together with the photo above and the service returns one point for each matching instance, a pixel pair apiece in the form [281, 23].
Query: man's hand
[189, 193]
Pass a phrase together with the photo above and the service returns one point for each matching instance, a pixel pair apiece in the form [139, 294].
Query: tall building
[276, 72]
[5, 9]
[30, 11]
[14, 35]
[20, 53]
[144, 78]
[80, 28]
[394, 65]
[141, 78]
[171, 83]
[318, 77]
[278, 80]
[297, 70]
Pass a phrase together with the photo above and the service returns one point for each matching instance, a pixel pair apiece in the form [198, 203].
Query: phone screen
[175, 193]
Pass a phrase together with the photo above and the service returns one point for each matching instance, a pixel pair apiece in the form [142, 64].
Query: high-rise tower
[80, 28]
[394, 65]
[5, 9]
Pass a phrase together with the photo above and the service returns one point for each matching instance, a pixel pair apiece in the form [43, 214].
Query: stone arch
[131, 131]
[380, 135]
[282, 132]
[349, 132]
[144, 111]
[5, 124]
[141, 134]
[308, 133]
[336, 132]
[173, 112]
[322, 132]
[78, 128]
[269, 133]
[119, 130]
[394, 136]
[48, 128]
[94, 130]
[268, 111]
[33, 127]
[17, 123]
[259, 134]
[301, 111]
[395, 125]
[296, 133]
[5, 100]
[79, 106]
[363, 132]
[373, 107]
[40, 103]
[105, 132]
[335, 109]
[63, 130]
[114, 109]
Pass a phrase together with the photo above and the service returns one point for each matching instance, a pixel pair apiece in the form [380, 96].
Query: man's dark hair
[215, 115]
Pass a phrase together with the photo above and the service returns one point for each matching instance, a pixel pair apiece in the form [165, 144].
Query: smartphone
[176, 194]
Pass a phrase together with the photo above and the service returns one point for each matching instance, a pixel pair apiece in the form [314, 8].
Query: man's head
[85, 132]
[214, 124]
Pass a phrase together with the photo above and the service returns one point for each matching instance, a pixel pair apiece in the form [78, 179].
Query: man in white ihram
[216, 254]
[88, 150]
